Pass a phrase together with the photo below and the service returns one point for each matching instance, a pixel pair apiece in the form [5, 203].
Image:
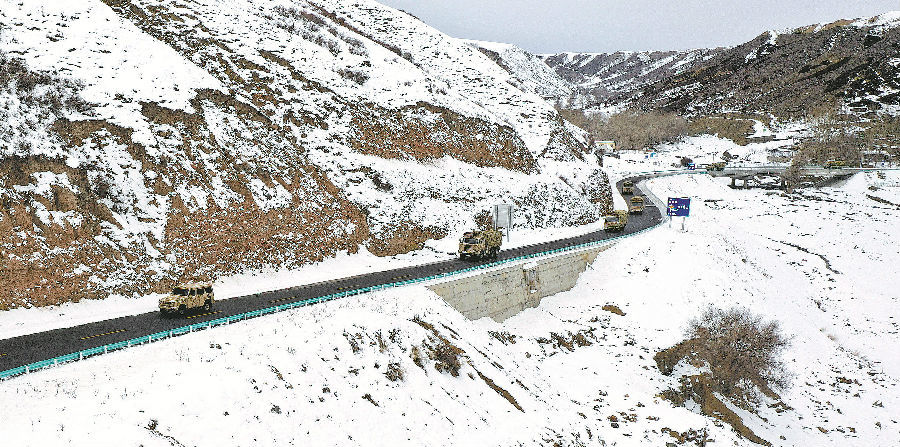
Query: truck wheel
[207, 306]
[182, 310]
[494, 253]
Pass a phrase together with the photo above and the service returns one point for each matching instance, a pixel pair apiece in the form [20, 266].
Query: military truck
[480, 244]
[615, 221]
[637, 205]
[719, 166]
[835, 164]
[187, 297]
[627, 187]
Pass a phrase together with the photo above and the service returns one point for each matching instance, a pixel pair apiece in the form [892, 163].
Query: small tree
[740, 350]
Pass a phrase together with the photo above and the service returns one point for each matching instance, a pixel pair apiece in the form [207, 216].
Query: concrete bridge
[746, 173]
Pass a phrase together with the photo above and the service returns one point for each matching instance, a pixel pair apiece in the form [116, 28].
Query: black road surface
[18, 351]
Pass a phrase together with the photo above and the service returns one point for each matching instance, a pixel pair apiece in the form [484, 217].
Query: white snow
[842, 325]
[816, 262]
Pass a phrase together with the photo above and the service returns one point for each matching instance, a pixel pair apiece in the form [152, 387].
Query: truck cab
[627, 187]
[616, 221]
[187, 297]
[481, 244]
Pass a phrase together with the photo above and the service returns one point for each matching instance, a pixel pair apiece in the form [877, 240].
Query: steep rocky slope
[530, 73]
[853, 63]
[148, 141]
[611, 78]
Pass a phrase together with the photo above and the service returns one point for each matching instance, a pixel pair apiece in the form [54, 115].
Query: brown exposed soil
[698, 389]
[612, 308]
[403, 133]
[402, 237]
[502, 392]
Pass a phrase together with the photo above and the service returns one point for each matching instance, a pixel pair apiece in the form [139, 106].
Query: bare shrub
[299, 15]
[394, 372]
[446, 359]
[792, 175]
[740, 350]
[355, 45]
[734, 128]
[631, 130]
[358, 76]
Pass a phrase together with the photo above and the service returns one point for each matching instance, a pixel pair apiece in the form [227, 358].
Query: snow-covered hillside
[789, 73]
[531, 74]
[611, 79]
[402, 367]
[148, 141]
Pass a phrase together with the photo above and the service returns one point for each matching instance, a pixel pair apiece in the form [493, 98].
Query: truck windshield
[471, 240]
[180, 292]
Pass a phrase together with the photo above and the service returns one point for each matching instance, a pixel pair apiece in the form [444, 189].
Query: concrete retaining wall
[502, 293]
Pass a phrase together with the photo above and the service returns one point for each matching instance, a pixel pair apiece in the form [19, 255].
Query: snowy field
[817, 262]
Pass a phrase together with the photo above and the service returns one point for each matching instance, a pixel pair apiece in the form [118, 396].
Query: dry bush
[358, 76]
[792, 175]
[735, 129]
[576, 117]
[394, 372]
[740, 350]
[446, 358]
[631, 130]
[842, 137]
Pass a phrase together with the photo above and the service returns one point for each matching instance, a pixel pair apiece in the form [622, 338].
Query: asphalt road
[18, 351]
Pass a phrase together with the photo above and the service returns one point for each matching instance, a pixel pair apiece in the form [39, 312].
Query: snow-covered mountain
[149, 141]
[611, 78]
[792, 73]
[530, 73]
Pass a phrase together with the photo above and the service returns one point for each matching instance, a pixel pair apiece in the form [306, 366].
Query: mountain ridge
[198, 141]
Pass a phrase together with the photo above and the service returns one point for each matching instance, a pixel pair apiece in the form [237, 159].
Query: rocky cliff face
[613, 78]
[852, 63]
[147, 141]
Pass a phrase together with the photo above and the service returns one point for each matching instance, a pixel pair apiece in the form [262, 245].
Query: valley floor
[400, 367]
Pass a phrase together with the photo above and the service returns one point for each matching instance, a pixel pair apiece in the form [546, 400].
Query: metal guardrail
[80, 355]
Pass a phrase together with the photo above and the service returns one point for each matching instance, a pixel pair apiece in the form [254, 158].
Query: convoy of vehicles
[835, 164]
[187, 297]
[480, 244]
[718, 166]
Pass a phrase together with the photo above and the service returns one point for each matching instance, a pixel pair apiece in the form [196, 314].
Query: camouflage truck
[481, 244]
[637, 205]
[187, 297]
[835, 164]
[615, 221]
[627, 187]
[719, 166]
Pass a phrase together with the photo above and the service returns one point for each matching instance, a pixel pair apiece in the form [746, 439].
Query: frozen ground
[817, 262]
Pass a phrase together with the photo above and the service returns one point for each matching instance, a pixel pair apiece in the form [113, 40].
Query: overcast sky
[550, 26]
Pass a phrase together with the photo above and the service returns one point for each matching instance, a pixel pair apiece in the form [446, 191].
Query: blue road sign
[679, 207]
[691, 166]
